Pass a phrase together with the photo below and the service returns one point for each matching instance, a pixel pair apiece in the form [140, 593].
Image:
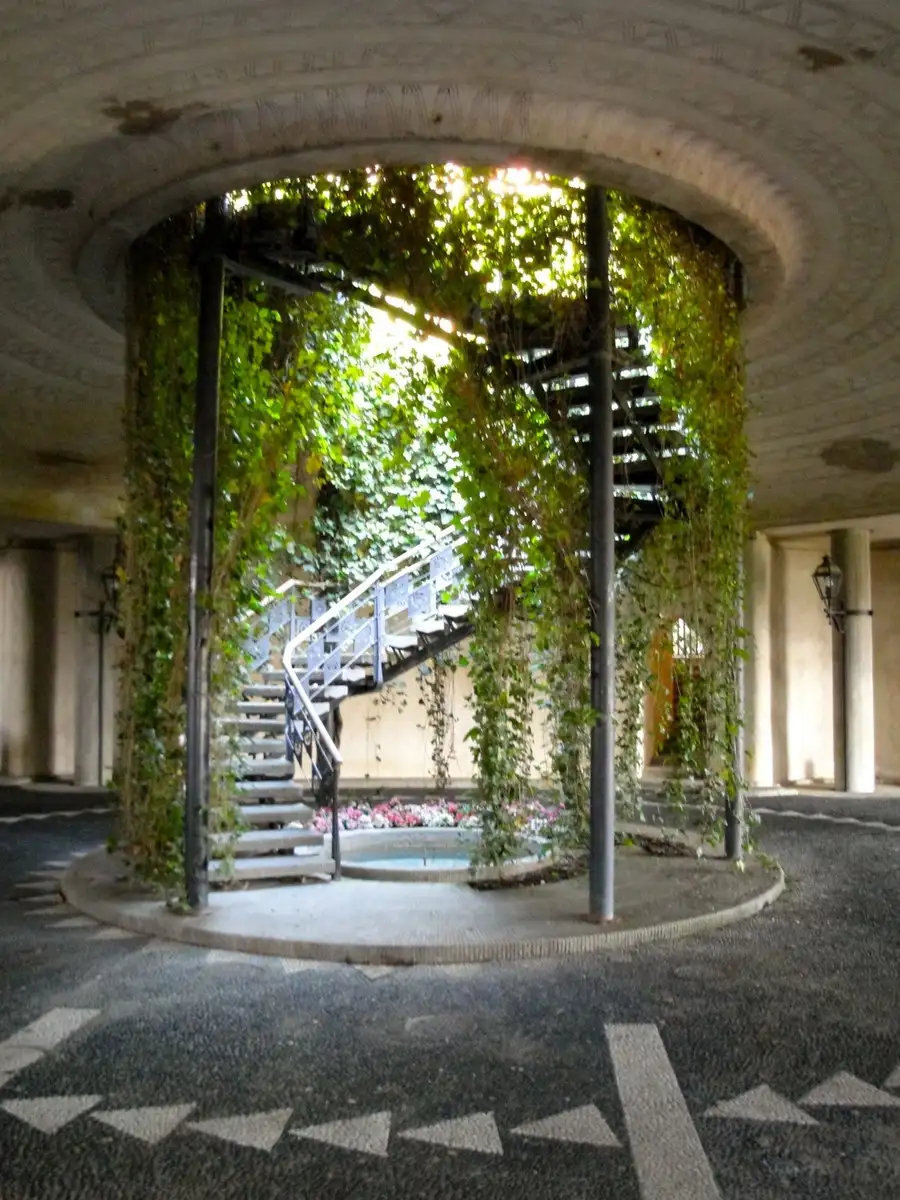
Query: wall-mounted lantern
[828, 579]
[109, 605]
[105, 614]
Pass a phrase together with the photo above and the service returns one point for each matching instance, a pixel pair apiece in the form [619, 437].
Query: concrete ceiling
[776, 123]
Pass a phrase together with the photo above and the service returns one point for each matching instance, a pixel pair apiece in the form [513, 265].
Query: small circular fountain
[422, 856]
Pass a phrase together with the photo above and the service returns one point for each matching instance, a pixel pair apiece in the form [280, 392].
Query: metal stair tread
[263, 691]
[347, 675]
[271, 768]
[266, 789]
[256, 842]
[354, 674]
[275, 866]
[245, 724]
[271, 814]
[428, 625]
[268, 747]
[401, 641]
[454, 612]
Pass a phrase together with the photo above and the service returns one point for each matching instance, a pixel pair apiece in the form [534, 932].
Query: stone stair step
[267, 841]
[276, 814]
[275, 866]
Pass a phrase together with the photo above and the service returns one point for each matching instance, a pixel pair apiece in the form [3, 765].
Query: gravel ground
[257, 1052]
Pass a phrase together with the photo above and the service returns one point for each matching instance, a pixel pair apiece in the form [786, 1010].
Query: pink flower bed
[431, 814]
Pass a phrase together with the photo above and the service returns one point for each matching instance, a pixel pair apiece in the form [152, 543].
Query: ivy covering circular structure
[492, 263]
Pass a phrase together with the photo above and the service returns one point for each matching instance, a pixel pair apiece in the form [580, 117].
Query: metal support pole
[101, 671]
[602, 559]
[378, 639]
[105, 617]
[734, 808]
[203, 503]
[336, 724]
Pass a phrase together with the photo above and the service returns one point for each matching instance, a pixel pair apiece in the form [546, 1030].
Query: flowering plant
[535, 819]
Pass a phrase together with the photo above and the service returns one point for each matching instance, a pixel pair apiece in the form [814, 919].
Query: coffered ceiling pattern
[775, 123]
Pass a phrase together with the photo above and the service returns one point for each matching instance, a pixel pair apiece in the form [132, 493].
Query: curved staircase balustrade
[279, 612]
[350, 643]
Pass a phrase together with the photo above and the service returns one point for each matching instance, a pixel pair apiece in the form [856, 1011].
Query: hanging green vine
[494, 258]
[437, 679]
[499, 256]
[275, 386]
[678, 290]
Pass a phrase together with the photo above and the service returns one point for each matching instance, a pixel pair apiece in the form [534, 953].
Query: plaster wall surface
[801, 649]
[886, 639]
[15, 666]
[44, 727]
[67, 636]
[387, 736]
[801, 667]
[48, 665]
[38, 648]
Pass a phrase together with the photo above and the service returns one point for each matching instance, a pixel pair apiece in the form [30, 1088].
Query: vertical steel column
[603, 557]
[101, 700]
[203, 504]
[335, 725]
[378, 631]
[734, 807]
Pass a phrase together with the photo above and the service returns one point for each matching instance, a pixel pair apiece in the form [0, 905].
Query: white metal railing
[277, 612]
[338, 638]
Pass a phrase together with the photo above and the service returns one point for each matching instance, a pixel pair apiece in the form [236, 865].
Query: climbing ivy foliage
[395, 446]
[479, 255]
[678, 290]
[388, 480]
[492, 255]
[278, 394]
[437, 681]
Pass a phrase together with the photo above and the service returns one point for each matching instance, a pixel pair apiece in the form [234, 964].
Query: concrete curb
[190, 931]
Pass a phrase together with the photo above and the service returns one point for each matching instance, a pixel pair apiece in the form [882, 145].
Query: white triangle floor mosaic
[668, 1157]
[476, 1132]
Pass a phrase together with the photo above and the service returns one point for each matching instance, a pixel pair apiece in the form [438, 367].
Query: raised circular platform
[402, 924]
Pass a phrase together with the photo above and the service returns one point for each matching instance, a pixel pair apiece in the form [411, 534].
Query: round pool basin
[419, 856]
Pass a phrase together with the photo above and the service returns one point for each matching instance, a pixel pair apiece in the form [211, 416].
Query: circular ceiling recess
[774, 124]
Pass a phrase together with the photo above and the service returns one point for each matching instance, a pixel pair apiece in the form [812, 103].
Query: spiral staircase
[309, 655]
